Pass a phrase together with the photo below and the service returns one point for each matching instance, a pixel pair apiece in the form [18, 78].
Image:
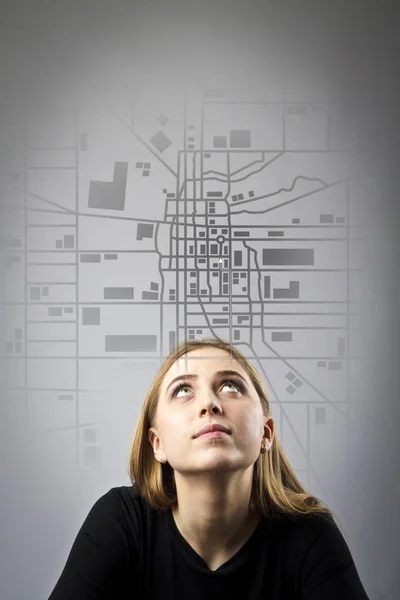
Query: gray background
[108, 113]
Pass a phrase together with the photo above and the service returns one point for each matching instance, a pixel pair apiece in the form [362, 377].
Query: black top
[127, 551]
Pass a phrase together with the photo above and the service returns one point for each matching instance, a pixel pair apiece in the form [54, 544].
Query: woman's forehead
[204, 360]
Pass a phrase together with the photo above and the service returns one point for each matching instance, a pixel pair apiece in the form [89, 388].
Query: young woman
[215, 509]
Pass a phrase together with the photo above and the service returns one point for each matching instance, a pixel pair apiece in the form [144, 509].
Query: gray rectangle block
[291, 292]
[335, 365]
[242, 318]
[267, 286]
[240, 138]
[131, 343]
[288, 256]
[171, 341]
[282, 336]
[237, 258]
[149, 295]
[90, 258]
[326, 218]
[281, 293]
[320, 415]
[294, 287]
[69, 241]
[55, 311]
[217, 321]
[91, 315]
[219, 141]
[341, 347]
[110, 195]
[118, 293]
[35, 293]
[160, 141]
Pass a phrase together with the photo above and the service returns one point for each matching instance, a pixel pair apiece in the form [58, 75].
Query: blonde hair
[276, 491]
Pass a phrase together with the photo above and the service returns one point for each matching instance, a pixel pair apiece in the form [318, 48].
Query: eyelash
[176, 389]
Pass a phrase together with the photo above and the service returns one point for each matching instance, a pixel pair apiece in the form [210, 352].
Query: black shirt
[127, 551]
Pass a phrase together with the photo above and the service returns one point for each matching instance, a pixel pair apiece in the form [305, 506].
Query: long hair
[276, 490]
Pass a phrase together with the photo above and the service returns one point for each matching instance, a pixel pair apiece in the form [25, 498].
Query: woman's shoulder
[121, 503]
[124, 491]
[127, 495]
[305, 528]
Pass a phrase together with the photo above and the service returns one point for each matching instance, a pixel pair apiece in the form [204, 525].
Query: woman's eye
[182, 388]
[231, 384]
[227, 383]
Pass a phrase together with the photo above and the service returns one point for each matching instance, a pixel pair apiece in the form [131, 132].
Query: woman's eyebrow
[195, 376]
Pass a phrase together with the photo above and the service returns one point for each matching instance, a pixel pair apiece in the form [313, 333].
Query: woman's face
[196, 392]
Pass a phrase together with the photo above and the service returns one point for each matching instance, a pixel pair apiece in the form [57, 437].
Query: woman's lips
[212, 434]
